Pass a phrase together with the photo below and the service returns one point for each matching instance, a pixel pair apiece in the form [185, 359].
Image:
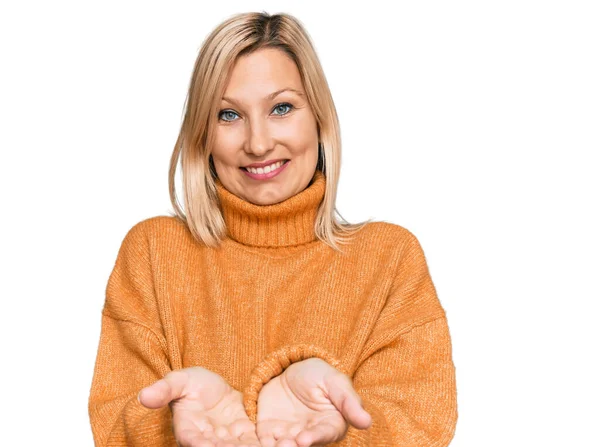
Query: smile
[267, 172]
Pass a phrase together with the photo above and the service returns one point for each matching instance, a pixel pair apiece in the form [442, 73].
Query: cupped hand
[207, 411]
[311, 403]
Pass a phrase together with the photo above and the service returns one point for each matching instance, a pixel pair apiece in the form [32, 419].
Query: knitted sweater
[270, 295]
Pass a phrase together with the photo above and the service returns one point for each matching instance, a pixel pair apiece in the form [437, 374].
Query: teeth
[265, 169]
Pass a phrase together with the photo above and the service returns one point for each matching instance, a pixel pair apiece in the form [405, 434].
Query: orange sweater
[274, 294]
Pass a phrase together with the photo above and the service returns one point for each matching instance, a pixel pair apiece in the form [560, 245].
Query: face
[265, 117]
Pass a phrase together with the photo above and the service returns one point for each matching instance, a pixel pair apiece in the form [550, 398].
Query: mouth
[265, 169]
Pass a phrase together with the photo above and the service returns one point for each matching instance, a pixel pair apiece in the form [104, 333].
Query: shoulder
[154, 224]
[385, 234]
[161, 241]
[384, 243]
[407, 249]
[153, 230]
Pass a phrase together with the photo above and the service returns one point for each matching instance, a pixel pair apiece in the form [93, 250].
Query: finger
[243, 429]
[267, 441]
[269, 431]
[249, 437]
[165, 390]
[222, 433]
[197, 433]
[275, 429]
[342, 394]
[278, 433]
[319, 434]
[286, 442]
[189, 438]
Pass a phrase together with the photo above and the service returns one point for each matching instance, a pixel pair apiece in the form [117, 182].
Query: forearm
[409, 389]
[125, 422]
[393, 428]
[121, 371]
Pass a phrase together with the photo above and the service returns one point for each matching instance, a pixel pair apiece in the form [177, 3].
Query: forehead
[262, 72]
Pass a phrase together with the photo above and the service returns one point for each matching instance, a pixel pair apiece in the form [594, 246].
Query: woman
[243, 321]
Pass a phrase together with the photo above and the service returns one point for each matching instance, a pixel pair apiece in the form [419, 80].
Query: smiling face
[265, 117]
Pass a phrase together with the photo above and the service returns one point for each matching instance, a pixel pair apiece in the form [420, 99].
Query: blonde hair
[239, 35]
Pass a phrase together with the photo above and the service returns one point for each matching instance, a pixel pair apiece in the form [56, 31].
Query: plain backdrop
[474, 124]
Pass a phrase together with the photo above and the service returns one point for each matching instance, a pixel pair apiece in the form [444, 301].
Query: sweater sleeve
[132, 354]
[405, 374]
[409, 389]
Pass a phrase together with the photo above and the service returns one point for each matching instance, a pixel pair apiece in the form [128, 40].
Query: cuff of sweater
[131, 424]
[275, 363]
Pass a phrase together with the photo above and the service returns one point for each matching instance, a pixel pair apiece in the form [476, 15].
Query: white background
[474, 124]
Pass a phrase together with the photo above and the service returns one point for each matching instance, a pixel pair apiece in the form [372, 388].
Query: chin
[271, 197]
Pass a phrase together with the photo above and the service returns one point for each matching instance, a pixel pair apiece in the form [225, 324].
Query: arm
[409, 389]
[405, 375]
[132, 354]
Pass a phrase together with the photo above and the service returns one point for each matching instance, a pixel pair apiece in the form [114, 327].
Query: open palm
[310, 403]
[207, 411]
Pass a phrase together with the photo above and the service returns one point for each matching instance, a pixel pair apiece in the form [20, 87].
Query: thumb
[342, 394]
[160, 393]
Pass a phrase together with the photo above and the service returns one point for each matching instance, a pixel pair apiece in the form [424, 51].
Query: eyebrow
[271, 96]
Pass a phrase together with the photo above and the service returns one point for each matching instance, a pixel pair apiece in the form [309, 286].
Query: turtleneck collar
[286, 223]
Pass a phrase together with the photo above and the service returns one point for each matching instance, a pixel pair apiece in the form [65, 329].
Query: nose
[259, 141]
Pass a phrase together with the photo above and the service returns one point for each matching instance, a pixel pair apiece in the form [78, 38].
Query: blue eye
[283, 104]
[287, 108]
[225, 112]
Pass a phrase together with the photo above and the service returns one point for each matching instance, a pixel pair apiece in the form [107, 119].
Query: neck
[282, 224]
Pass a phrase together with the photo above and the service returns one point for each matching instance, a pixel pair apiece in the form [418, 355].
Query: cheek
[300, 134]
[227, 138]
[221, 156]
[225, 146]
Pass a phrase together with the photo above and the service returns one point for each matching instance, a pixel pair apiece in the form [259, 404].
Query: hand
[309, 404]
[207, 411]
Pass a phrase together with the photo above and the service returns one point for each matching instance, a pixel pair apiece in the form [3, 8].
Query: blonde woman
[256, 316]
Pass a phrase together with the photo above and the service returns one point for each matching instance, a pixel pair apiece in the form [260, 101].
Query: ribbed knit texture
[290, 222]
[271, 295]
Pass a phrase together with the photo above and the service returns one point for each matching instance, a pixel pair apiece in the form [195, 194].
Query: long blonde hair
[239, 35]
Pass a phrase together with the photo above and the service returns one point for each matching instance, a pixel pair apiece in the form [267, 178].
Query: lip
[268, 175]
[265, 163]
